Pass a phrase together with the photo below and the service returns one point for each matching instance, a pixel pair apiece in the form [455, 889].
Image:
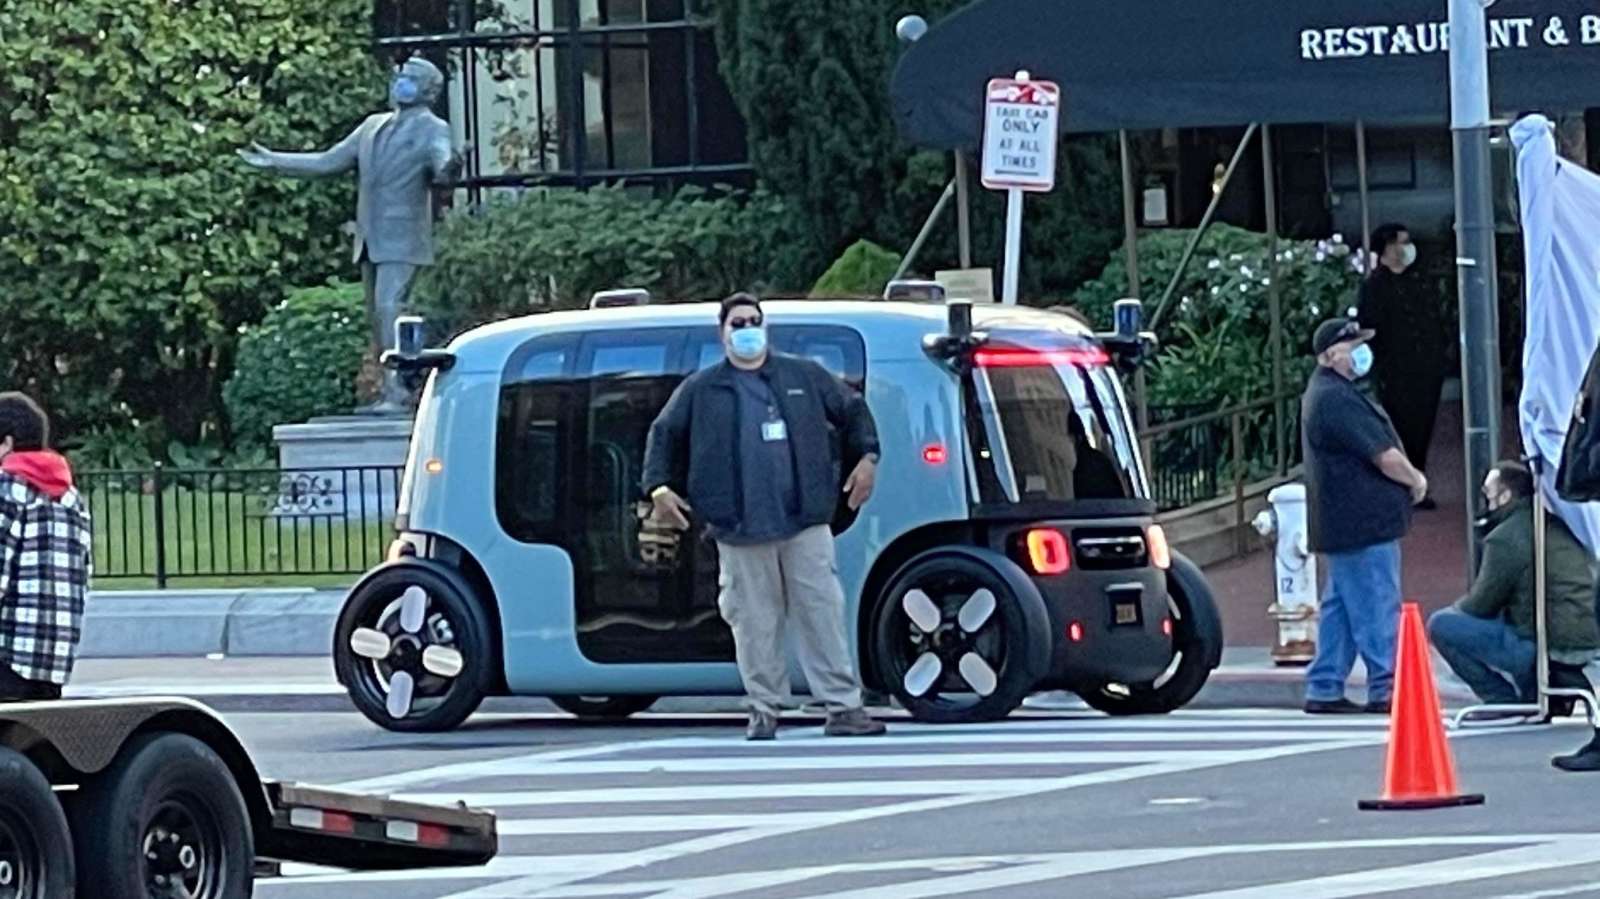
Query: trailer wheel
[35, 853]
[603, 708]
[166, 819]
[1197, 649]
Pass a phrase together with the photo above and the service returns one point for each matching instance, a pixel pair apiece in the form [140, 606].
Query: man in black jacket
[1409, 346]
[750, 441]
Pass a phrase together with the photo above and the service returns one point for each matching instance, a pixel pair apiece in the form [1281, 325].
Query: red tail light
[935, 454]
[1013, 358]
[1075, 632]
[1166, 626]
[1048, 552]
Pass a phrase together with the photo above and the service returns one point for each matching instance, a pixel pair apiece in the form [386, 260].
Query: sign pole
[1022, 124]
[1013, 245]
[1475, 250]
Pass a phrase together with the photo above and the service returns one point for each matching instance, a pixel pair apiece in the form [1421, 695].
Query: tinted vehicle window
[529, 445]
[1050, 432]
[542, 358]
[629, 359]
[834, 347]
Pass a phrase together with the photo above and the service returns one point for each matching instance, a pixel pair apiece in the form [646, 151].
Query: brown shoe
[763, 726]
[853, 723]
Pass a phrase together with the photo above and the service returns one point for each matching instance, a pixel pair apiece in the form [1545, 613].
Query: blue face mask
[404, 91]
[1361, 360]
[748, 343]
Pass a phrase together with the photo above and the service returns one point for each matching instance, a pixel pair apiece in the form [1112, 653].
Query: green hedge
[863, 270]
[550, 250]
[301, 361]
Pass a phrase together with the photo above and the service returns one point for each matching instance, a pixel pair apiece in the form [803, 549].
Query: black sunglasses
[740, 323]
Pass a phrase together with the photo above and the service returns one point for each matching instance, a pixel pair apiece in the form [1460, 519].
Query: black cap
[1336, 331]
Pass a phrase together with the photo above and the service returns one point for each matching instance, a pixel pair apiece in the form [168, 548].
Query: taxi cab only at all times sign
[1022, 122]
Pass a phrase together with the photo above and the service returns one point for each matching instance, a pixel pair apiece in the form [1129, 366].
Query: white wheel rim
[369, 643]
[976, 611]
[413, 610]
[442, 661]
[975, 670]
[922, 611]
[401, 687]
[923, 674]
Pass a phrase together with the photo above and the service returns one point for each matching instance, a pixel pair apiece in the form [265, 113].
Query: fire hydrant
[1294, 606]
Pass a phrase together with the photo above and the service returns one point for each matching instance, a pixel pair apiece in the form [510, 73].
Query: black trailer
[147, 798]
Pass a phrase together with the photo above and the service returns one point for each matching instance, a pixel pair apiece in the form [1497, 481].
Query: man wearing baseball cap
[1360, 489]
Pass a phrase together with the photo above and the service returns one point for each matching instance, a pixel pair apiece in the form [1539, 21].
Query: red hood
[46, 471]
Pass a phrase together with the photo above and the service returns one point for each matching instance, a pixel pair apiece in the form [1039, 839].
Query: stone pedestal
[346, 466]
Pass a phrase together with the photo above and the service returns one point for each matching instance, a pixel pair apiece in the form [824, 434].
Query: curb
[166, 623]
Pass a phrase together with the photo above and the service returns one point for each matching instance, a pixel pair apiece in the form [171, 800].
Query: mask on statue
[1361, 361]
[748, 343]
[404, 91]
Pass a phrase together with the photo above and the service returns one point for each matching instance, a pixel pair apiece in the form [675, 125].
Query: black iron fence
[161, 525]
[1194, 456]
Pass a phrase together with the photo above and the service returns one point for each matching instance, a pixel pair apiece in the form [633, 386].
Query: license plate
[1127, 613]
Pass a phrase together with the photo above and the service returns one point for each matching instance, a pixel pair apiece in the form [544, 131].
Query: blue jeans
[1485, 653]
[1360, 613]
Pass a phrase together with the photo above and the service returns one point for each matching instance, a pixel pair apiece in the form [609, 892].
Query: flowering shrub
[301, 360]
[1215, 335]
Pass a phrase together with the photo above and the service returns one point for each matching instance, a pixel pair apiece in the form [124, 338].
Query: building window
[577, 92]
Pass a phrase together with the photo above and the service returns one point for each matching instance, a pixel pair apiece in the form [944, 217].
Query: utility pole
[1475, 249]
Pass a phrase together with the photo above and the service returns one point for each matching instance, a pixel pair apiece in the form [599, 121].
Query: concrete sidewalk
[1247, 678]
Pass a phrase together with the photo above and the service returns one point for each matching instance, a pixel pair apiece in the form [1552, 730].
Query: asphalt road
[1236, 804]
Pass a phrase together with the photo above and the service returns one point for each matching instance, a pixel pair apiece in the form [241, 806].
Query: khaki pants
[793, 581]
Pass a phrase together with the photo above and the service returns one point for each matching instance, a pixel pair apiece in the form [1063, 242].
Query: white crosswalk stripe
[572, 815]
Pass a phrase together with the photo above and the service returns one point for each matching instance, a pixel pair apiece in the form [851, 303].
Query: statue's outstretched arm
[444, 160]
[340, 158]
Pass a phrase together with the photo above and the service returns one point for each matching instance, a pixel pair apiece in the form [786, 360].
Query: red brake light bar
[1014, 358]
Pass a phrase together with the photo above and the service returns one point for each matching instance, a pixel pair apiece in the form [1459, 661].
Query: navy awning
[1195, 63]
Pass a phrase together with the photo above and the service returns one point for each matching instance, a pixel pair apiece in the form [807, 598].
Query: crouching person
[44, 557]
[1489, 637]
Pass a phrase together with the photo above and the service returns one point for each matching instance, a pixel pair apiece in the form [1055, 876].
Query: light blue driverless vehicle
[1010, 546]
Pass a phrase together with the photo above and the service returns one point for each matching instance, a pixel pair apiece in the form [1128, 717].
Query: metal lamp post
[1475, 247]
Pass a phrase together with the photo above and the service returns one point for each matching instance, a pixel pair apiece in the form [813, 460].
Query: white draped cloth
[1561, 240]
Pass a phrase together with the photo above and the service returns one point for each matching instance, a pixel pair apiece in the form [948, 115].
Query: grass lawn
[226, 538]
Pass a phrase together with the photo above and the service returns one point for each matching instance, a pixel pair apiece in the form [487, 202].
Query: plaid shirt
[45, 565]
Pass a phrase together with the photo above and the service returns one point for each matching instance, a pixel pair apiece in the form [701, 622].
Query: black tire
[440, 704]
[1014, 641]
[35, 844]
[603, 708]
[168, 807]
[1197, 641]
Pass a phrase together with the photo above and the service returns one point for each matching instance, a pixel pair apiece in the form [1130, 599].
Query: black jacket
[1578, 479]
[1410, 341]
[693, 443]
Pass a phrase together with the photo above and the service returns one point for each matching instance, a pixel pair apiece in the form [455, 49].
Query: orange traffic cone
[1419, 773]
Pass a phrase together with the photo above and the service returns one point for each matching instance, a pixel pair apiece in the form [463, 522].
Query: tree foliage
[812, 82]
[133, 243]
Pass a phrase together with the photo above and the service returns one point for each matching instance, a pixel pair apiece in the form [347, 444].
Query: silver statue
[400, 157]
